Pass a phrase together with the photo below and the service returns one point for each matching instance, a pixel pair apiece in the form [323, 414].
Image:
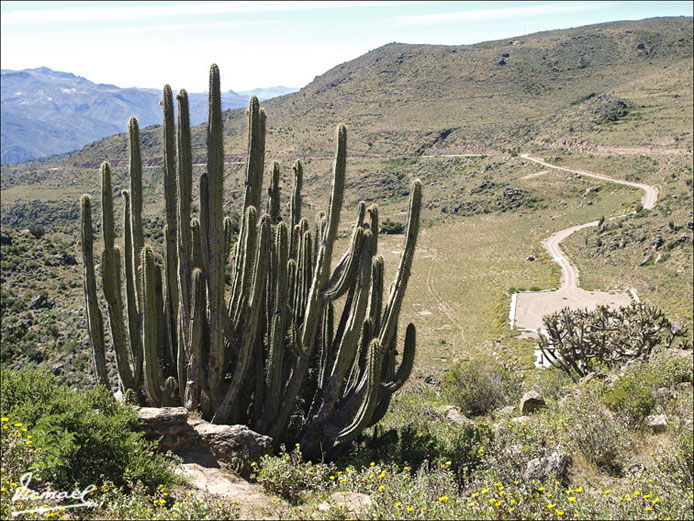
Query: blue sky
[260, 44]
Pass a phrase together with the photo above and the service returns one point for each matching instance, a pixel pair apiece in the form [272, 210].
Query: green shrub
[289, 476]
[391, 227]
[678, 463]
[598, 437]
[632, 399]
[85, 436]
[478, 387]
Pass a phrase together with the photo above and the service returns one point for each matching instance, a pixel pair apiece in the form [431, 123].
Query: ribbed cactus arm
[405, 369]
[226, 412]
[185, 190]
[343, 274]
[325, 252]
[152, 370]
[111, 279]
[369, 400]
[135, 170]
[215, 237]
[397, 289]
[131, 294]
[274, 194]
[91, 304]
[295, 206]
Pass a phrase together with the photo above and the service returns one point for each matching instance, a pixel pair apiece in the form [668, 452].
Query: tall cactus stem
[138, 237]
[91, 304]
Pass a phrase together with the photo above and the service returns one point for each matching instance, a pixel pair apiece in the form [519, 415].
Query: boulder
[67, 259]
[657, 423]
[169, 426]
[5, 238]
[455, 415]
[355, 503]
[41, 302]
[236, 445]
[531, 402]
[555, 465]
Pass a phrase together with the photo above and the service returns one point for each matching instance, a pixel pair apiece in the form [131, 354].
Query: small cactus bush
[265, 352]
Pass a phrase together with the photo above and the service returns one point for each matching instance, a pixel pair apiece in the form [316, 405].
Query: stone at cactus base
[236, 445]
[169, 426]
[531, 402]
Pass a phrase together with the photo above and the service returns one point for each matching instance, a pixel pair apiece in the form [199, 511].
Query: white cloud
[110, 12]
[477, 15]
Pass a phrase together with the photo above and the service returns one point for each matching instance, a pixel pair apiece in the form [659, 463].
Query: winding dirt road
[532, 306]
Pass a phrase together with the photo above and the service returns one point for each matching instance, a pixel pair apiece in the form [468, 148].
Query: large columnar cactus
[268, 351]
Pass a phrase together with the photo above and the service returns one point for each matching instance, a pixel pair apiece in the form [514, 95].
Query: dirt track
[532, 306]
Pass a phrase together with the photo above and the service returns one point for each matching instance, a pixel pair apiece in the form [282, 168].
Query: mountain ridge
[48, 112]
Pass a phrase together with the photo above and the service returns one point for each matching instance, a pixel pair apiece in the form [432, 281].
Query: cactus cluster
[266, 351]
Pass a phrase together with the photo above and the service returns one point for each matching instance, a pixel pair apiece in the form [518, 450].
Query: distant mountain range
[46, 112]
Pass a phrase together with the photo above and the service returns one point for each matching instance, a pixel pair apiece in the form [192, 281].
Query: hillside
[46, 112]
[403, 99]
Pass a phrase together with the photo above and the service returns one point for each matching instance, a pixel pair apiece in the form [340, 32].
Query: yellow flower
[636, 493]
[648, 509]
[550, 505]
[572, 500]
[406, 468]
[605, 491]
[559, 512]
[28, 442]
[448, 463]
[480, 451]
[484, 491]
[579, 489]
[498, 503]
[4, 419]
[382, 475]
[371, 464]
[541, 489]
[17, 424]
[381, 488]
[515, 483]
[443, 499]
[475, 494]
[332, 477]
[646, 496]
[656, 500]
[397, 505]
[410, 509]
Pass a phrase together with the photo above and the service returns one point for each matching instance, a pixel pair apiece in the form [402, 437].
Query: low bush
[479, 387]
[593, 433]
[86, 437]
[632, 399]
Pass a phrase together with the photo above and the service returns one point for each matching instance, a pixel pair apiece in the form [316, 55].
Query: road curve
[569, 273]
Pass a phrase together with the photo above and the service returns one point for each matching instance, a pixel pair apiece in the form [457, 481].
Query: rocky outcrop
[531, 402]
[236, 445]
[554, 465]
[168, 425]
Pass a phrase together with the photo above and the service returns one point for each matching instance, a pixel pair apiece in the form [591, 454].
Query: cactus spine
[275, 333]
